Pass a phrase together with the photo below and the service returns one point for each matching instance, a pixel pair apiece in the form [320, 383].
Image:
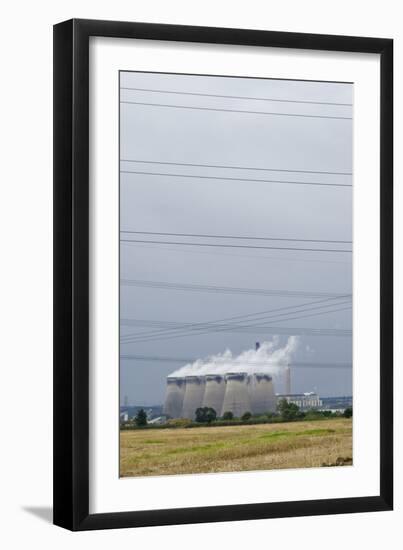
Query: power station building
[236, 392]
[304, 401]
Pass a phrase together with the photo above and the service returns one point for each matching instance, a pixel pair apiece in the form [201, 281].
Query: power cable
[309, 102]
[237, 246]
[233, 237]
[251, 316]
[217, 178]
[232, 290]
[255, 329]
[229, 167]
[222, 254]
[235, 110]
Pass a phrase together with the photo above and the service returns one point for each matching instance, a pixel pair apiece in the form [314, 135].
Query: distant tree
[246, 416]
[211, 415]
[228, 415]
[205, 414]
[288, 411]
[348, 413]
[141, 418]
[200, 414]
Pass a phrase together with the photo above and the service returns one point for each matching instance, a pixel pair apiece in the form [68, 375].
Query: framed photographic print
[223, 323]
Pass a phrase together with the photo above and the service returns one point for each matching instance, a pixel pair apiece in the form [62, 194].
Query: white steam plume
[269, 358]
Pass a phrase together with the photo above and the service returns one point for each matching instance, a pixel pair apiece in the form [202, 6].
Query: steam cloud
[269, 358]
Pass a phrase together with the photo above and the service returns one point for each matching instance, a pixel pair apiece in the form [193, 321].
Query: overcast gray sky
[174, 204]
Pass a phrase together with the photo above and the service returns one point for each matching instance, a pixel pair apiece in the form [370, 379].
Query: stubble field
[236, 448]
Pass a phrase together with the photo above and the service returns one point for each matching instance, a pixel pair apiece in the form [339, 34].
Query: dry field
[236, 448]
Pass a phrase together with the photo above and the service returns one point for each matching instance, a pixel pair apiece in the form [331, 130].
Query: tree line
[285, 412]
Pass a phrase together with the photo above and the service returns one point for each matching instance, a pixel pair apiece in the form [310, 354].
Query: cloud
[269, 358]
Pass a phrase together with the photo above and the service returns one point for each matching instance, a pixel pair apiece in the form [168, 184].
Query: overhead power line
[132, 357]
[238, 318]
[235, 110]
[220, 255]
[225, 178]
[218, 327]
[232, 290]
[304, 101]
[241, 237]
[237, 167]
[249, 329]
[237, 246]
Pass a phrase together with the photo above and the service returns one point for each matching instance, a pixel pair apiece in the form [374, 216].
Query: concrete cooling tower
[236, 398]
[214, 393]
[261, 393]
[174, 396]
[194, 394]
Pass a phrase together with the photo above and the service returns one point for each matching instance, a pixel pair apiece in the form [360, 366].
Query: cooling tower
[261, 392]
[174, 396]
[214, 393]
[194, 393]
[236, 398]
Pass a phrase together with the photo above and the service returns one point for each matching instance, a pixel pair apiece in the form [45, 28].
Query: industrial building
[304, 401]
[124, 417]
[236, 392]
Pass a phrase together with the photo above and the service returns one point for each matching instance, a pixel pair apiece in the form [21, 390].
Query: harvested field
[236, 448]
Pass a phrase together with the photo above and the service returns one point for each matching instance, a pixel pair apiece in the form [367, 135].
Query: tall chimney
[287, 380]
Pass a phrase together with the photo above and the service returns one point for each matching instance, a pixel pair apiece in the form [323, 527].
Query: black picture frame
[71, 274]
